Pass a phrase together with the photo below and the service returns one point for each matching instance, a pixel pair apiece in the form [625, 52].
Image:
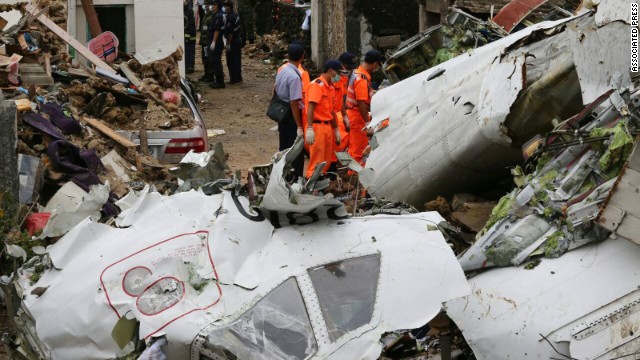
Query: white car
[170, 146]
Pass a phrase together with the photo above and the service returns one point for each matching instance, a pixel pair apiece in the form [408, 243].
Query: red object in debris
[36, 222]
[183, 146]
[514, 12]
[170, 96]
[105, 46]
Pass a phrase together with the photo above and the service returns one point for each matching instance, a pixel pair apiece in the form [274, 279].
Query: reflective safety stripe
[351, 94]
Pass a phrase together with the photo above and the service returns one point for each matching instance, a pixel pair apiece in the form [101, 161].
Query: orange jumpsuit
[359, 88]
[306, 80]
[341, 90]
[321, 93]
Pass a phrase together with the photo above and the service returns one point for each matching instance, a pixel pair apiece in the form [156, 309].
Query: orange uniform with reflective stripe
[359, 88]
[322, 94]
[341, 91]
[306, 80]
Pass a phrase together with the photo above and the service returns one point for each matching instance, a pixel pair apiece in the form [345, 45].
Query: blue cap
[332, 64]
[348, 60]
[295, 52]
[373, 56]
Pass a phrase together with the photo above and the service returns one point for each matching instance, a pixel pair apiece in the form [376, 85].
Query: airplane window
[277, 327]
[346, 292]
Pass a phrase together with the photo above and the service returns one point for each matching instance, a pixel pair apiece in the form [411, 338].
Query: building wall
[379, 18]
[148, 22]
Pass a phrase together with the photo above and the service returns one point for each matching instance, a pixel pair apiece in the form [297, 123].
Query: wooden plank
[37, 79]
[130, 75]
[92, 18]
[70, 40]
[389, 41]
[108, 131]
[47, 63]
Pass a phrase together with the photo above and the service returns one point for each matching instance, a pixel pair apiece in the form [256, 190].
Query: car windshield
[346, 292]
[277, 327]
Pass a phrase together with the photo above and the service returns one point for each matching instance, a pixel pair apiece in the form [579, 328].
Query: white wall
[148, 21]
[158, 20]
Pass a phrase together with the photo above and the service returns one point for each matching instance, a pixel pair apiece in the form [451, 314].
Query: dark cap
[298, 42]
[295, 52]
[217, 2]
[348, 60]
[332, 64]
[227, 3]
[373, 56]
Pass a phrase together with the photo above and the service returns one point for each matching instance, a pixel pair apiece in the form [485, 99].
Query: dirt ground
[240, 110]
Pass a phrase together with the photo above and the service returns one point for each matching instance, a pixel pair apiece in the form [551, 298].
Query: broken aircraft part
[217, 278]
[557, 204]
[463, 128]
[583, 305]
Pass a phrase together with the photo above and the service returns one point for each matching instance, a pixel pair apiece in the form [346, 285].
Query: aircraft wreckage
[211, 278]
[553, 273]
[463, 122]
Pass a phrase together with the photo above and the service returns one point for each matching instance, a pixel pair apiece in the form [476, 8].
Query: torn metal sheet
[565, 307]
[450, 145]
[514, 12]
[207, 271]
[157, 51]
[70, 205]
[601, 62]
[621, 213]
[609, 11]
[295, 204]
[555, 206]
[463, 128]
[29, 171]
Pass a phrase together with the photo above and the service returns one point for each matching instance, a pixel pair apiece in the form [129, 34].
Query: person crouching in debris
[288, 88]
[205, 41]
[189, 36]
[216, 33]
[234, 43]
[359, 93]
[322, 127]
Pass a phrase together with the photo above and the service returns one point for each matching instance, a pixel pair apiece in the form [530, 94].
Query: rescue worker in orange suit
[358, 103]
[348, 65]
[322, 129]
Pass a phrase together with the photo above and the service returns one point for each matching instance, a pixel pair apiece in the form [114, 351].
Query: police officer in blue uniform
[216, 34]
[233, 28]
[189, 36]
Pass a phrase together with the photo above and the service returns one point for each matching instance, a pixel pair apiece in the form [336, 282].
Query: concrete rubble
[506, 227]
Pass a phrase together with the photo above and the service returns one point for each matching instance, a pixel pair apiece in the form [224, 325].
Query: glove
[311, 136]
[227, 48]
[337, 132]
[299, 132]
[347, 124]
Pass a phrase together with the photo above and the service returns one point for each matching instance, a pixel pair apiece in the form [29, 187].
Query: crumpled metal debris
[463, 122]
[557, 204]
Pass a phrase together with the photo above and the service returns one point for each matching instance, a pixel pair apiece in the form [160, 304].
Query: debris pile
[270, 47]
[562, 188]
[80, 131]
